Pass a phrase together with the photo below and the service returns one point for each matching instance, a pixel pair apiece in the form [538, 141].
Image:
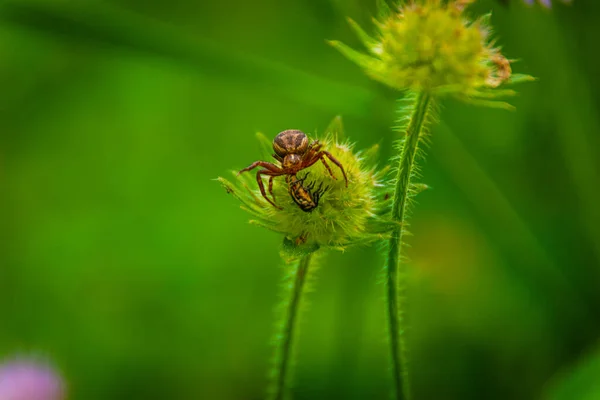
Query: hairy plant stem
[396, 270]
[285, 338]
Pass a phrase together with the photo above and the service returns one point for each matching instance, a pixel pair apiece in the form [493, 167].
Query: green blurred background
[124, 261]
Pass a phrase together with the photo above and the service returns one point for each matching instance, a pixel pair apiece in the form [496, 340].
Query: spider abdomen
[291, 141]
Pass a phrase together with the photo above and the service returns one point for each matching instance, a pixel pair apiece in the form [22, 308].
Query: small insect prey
[304, 196]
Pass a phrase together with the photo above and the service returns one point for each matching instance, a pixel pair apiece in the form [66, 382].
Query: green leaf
[266, 145]
[232, 189]
[362, 60]
[366, 40]
[485, 19]
[519, 78]
[336, 129]
[266, 225]
[487, 103]
[383, 9]
[492, 93]
[371, 154]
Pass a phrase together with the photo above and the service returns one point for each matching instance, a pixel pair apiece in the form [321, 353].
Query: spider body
[302, 195]
[290, 145]
[294, 153]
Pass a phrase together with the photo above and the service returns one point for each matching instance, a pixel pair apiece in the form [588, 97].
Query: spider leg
[271, 186]
[315, 145]
[261, 185]
[327, 166]
[335, 161]
[269, 166]
[309, 160]
[312, 158]
[312, 150]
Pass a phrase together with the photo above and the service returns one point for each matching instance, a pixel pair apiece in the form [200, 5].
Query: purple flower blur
[545, 3]
[29, 379]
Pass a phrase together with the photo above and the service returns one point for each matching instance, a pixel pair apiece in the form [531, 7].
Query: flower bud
[344, 216]
[431, 46]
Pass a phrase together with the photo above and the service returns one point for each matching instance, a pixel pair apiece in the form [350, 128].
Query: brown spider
[294, 153]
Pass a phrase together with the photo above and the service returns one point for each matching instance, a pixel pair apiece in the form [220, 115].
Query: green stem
[285, 338]
[395, 268]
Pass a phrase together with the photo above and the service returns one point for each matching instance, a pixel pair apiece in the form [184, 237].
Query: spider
[294, 153]
[302, 195]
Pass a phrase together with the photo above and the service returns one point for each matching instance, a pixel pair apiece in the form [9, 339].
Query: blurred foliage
[580, 381]
[126, 263]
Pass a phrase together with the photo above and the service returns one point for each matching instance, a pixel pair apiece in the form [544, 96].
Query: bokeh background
[123, 261]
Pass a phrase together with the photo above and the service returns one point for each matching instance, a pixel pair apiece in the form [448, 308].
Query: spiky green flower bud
[344, 216]
[432, 46]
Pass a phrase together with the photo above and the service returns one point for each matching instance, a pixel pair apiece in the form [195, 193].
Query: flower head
[431, 46]
[344, 216]
[30, 379]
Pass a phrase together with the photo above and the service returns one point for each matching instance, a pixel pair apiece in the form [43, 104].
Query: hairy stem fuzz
[284, 341]
[396, 269]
